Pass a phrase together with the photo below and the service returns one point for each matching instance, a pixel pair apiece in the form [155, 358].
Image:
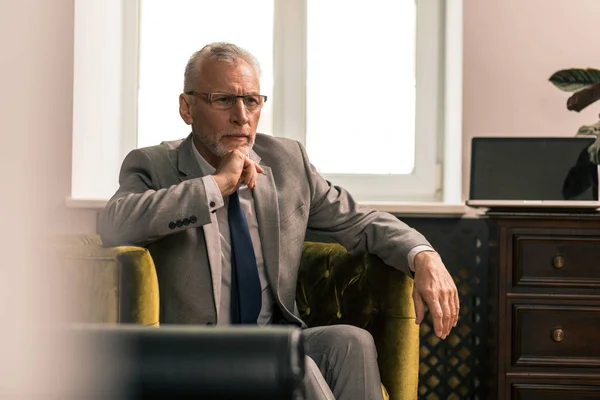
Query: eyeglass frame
[209, 100]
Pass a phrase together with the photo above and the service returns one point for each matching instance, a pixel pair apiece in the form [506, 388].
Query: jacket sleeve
[141, 211]
[335, 214]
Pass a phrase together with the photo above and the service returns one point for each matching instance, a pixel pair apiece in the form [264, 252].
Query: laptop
[533, 172]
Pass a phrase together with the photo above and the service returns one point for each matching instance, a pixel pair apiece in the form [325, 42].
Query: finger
[252, 169]
[248, 176]
[435, 309]
[419, 307]
[448, 312]
[258, 168]
[240, 158]
[234, 164]
[248, 162]
[453, 310]
[253, 176]
[456, 306]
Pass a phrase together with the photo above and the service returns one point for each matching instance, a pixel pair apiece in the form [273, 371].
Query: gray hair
[221, 51]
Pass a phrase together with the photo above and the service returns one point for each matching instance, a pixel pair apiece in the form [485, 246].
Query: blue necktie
[246, 292]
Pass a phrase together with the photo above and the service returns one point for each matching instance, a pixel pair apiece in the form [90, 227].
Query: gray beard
[220, 151]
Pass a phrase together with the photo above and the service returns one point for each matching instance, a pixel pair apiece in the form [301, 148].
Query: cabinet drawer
[557, 261]
[556, 335]
[524, 391]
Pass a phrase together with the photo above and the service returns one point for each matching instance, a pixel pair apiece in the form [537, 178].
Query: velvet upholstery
[120, 285]
[335, 288]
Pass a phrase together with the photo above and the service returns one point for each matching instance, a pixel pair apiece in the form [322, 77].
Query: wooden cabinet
[545, 274]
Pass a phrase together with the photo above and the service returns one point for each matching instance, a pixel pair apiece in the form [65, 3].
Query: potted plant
[584, 83]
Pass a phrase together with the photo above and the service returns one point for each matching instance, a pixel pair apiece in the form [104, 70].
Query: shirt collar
[205, 167]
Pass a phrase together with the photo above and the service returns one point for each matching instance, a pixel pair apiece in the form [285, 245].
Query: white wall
[511, 48]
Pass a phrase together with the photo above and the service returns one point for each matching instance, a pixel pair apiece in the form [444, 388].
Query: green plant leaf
[574, 79]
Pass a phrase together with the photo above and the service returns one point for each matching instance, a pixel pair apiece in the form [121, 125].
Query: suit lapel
[190, 169]
[186, 162]
[267, 215]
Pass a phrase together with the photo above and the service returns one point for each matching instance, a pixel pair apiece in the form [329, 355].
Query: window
[361, 98]
[361, 84]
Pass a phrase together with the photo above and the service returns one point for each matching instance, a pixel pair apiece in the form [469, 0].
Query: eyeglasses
[224, 101]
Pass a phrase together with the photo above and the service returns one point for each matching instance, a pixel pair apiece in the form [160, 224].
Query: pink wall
[511, 48]
[36, 38]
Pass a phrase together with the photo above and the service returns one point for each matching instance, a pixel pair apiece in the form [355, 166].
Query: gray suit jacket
[161, 204]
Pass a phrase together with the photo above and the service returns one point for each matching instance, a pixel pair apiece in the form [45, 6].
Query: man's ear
[185, 108]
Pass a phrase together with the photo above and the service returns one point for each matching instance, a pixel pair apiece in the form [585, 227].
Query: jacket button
[212, 204]
[172, 225]
[179, 223]
[186, 221]
[193, 219]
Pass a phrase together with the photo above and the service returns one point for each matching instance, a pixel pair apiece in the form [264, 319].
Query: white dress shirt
[218, 205]
[218, 238]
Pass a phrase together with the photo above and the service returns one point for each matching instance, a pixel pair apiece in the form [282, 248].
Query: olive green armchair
[119, 285]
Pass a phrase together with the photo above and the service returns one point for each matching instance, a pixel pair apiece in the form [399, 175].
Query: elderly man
[224, 214]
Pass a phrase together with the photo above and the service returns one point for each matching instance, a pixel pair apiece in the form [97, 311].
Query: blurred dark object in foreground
[580, 177]
[181, 362]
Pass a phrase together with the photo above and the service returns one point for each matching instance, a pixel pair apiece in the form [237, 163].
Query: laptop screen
[505, 168]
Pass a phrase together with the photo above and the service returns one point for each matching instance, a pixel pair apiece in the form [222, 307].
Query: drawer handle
[558, 335]
[558, 261]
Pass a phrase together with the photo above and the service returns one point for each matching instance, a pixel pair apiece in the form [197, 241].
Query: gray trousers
[341, 363]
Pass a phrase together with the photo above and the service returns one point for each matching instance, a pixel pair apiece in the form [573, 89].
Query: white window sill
[429, 209]
[418, 208]
[90, 204]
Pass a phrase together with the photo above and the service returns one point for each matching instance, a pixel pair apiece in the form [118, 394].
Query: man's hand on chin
[435, 287]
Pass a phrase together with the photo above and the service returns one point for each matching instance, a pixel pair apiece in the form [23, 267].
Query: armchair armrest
[336, 288]
[110, 284]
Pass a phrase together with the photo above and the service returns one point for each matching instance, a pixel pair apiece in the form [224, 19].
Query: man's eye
[222, 99]
[252, 100]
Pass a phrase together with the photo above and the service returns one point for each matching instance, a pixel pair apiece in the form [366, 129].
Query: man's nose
[239, 113]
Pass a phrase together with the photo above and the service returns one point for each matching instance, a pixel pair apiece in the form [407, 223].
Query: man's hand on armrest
[435, 287]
